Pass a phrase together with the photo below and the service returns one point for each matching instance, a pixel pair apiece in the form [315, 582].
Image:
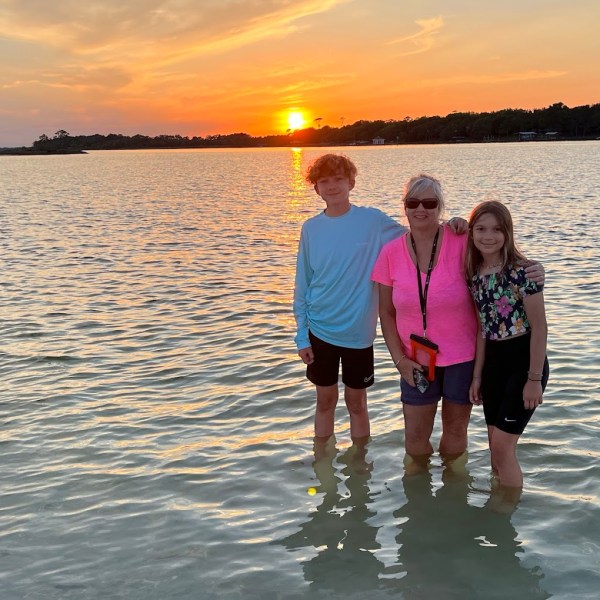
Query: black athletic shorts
[502, 381]
[358, 365]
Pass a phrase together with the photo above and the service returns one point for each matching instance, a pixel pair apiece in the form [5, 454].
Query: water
[156, 426]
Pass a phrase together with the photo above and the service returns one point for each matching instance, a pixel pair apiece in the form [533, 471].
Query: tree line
[557, 121]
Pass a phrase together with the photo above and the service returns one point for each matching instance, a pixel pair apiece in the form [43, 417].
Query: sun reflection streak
[297, 191]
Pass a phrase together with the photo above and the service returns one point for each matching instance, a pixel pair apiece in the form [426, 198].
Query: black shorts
[503, 379]
[358, 365]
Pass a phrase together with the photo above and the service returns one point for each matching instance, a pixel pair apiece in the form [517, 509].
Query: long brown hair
[511, 255]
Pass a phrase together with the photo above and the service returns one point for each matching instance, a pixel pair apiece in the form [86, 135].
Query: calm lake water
[156, 424]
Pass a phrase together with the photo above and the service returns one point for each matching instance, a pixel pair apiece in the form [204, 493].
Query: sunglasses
[428, 203]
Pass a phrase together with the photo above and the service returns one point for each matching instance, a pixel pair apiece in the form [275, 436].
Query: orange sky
[201, 67]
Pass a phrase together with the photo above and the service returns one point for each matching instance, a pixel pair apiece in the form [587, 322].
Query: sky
[207, 67]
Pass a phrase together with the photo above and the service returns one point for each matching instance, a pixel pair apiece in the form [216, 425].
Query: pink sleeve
[381, 270]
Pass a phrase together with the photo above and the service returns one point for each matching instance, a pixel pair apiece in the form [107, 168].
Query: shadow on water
[444, 546]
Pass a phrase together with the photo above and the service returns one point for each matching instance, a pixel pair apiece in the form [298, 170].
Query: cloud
[424, 39]
[157, 28]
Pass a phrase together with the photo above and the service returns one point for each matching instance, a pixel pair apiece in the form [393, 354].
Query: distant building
[527, 136]
[378, 141]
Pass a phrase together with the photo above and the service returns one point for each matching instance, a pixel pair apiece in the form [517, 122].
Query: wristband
[529, 378]
[396, 363]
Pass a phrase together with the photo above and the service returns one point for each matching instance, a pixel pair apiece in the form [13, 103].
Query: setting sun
[296, 120]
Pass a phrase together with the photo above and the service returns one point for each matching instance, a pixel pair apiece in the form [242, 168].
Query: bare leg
[415, 464]
[503, 447]
[356, 402]
[325, 451]
[356, 456]
[490, 433]
[455, 422]
[327, 397]
[418, 425]
[503, 499]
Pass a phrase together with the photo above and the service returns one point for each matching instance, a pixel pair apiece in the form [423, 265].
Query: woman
[423, 293]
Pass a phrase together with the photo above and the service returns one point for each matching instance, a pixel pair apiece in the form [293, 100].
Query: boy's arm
[302, 282]
[391, 229]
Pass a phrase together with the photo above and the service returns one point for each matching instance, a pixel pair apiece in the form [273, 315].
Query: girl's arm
[536, 315]
[387, 318]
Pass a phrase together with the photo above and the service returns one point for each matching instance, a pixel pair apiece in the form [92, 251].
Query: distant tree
[61, 133]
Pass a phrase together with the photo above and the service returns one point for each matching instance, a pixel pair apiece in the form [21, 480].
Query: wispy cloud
[113, 43]
[421, 41]
[159, 28]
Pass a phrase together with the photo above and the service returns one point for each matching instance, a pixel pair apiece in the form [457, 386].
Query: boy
[335, 302]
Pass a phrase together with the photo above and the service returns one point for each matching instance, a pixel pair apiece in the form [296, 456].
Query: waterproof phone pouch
[424, 351]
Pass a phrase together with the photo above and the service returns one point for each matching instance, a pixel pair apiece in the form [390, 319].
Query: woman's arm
[536, 315]
[475, 389]
[387, 318]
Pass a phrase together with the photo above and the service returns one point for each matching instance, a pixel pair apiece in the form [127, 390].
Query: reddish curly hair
[331, 164]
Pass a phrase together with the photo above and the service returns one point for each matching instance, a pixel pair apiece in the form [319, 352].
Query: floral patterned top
[499, 299]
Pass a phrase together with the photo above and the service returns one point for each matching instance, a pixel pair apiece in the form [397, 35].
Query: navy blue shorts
[502, 381]
[451, 382]
[358, 365]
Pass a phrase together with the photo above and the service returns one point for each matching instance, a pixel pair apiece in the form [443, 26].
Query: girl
[511, 368]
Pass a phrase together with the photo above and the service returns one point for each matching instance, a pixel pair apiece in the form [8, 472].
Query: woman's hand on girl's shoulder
[535, 272]
[458, 225]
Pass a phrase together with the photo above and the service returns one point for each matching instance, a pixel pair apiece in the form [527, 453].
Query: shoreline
[28, 151]
[24, 151]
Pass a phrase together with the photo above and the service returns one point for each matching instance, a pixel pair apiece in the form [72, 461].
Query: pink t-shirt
[451, 319]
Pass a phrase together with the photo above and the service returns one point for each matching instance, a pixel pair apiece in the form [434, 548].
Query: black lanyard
[423, 292]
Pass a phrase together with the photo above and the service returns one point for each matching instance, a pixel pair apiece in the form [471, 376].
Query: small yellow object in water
[311, 491]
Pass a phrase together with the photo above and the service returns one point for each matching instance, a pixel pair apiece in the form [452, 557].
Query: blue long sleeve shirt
[334, 296]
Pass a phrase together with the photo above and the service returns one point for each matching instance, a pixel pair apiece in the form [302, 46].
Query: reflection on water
[153, 405]
[446, 547]
[451, 549]
[338, 530]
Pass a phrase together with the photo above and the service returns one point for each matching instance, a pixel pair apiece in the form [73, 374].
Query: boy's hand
[458, 225]
[535, 272]
[307, 356]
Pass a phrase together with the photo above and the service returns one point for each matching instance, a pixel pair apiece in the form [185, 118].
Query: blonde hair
[418, 183]
[511, 255]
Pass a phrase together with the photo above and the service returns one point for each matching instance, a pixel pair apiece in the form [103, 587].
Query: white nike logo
[369, 377]
[510, 420]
